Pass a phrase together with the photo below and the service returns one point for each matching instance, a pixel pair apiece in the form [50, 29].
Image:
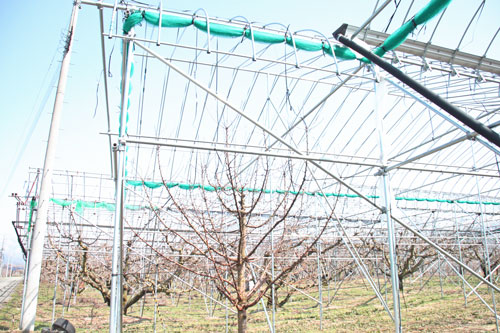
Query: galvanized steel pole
[116, 299]
[380, 94]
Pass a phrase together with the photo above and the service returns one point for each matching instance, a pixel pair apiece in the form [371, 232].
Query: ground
[352, 309]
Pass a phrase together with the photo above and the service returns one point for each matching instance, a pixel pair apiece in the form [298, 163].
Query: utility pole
[28, 312]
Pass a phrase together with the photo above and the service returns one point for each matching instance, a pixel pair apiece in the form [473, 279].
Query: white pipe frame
[280, 140]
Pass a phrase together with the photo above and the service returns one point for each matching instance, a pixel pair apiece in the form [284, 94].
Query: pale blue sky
[32, 40]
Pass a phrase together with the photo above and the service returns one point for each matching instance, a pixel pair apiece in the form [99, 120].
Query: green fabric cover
[167, 21]
[433, 8]
[306, 45]
[265, 37]
[32, 209]
[81, 205]
[218, 29]
[152, 185]
[341, 52]
[268, 191]
[132, 20]
[63, 203]
[225, 30]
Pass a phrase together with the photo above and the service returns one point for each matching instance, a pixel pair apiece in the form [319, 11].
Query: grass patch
[353, 309]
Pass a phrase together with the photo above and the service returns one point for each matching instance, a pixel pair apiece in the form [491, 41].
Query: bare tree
[229, 222]
[94, 270]
[411, 255]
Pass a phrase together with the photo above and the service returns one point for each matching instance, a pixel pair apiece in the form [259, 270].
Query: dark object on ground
[60, 325]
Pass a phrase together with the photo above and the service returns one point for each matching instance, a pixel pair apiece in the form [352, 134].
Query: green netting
[340, 52]
[218, 29]
[63, 203]
[132, 20]
[152, 185]
[226, 30]
[167, 21]
[265, 37]
[32, 209]
[433, 8]
[395, 39]
[209, 188]
[81, 205]
[306, 45]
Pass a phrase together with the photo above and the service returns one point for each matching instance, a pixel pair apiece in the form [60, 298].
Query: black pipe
[455, 112]
[25, 254]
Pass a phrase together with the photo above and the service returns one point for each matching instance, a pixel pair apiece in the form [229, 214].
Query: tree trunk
[241, 269]
[242, 320]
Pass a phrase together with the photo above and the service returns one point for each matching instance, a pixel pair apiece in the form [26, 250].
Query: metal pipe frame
[477, 126]
[116, 292]
[469, 134]
[106, 91]
[339, 180]
[430, 51]
[370, 19]
[380, 94]
[297, 154]
[477, 75]
[159, 142]
[486, 251]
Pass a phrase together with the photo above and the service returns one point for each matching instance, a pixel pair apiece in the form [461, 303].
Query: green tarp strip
[339, 195]
[265, 37]
[226, 30]
[132, 20]
[305, 45]
[218, 29]
[32, 209]
[80, 205]
[433, 8]
[167, 21]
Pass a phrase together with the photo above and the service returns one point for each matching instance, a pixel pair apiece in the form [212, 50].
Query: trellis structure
[202, 89]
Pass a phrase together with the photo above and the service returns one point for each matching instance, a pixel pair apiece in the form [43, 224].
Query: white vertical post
[115, 315]
[459, 242]
[40, 228]
[55, 283]
[380, 94]
[486, 251]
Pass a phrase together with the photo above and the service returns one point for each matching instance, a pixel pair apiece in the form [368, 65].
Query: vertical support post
[116, 306]
[55, 284]
[40, 228]
[487, 263]
[66, 279]
[318, 262]
[440, 275]
[380, 93]
[143, 277]
[459, 242]
[156, 297]
[320, 287]
[273, 288]
[273, 272]
[226, 309]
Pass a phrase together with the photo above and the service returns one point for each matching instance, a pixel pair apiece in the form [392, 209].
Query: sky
[32, 43]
